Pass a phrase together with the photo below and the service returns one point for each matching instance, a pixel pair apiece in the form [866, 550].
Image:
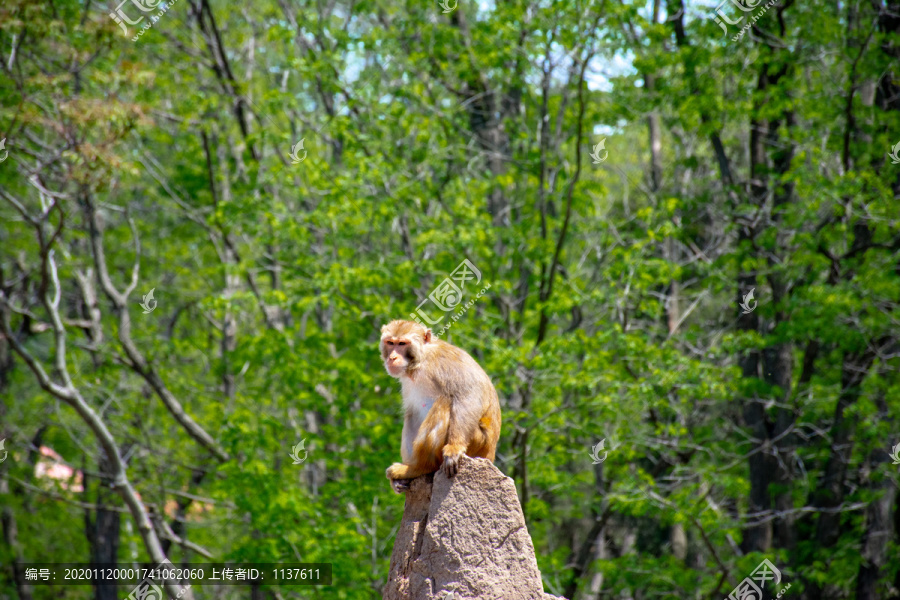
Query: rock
[464, 535]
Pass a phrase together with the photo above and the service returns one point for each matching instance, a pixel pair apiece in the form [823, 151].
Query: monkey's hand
[452, 457]
[397, 471]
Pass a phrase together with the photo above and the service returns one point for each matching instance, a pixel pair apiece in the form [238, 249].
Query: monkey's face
[398, 354]
[402, 345]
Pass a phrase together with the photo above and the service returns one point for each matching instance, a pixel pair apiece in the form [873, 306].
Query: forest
[668, 231]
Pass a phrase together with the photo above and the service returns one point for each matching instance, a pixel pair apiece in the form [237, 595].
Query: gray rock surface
[464, 535]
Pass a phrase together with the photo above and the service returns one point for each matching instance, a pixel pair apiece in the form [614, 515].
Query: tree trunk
[830, 491]
[878, 530]
[103, 532]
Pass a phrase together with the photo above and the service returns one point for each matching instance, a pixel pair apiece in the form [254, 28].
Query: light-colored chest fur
[417, 401]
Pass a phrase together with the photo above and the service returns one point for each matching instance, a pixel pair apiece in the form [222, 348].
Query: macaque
[450, 404]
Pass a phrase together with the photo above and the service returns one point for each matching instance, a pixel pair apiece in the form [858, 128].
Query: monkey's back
[459, 376]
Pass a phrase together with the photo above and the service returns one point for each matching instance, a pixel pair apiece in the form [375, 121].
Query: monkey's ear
[427, 335]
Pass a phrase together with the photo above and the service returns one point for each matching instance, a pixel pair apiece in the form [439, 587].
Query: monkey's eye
[401, 343]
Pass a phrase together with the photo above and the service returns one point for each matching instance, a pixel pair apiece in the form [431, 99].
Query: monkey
[450, 405]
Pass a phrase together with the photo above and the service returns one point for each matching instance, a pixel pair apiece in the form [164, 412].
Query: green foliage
[612, 312]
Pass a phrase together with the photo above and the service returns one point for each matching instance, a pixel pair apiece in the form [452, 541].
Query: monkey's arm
[407, 437]
[427, 445]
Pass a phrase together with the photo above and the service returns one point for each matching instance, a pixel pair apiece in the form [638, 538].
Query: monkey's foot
[400, 485]
[450, 466]
[399, 474]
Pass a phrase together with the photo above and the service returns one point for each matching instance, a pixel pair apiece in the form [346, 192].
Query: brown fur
[464, 411]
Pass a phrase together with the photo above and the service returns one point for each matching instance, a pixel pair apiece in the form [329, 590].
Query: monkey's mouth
[395, 369]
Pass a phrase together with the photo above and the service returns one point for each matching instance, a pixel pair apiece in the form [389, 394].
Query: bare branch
[137, 361]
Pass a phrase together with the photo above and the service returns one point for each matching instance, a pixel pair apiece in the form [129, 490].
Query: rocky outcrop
[464, 539]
